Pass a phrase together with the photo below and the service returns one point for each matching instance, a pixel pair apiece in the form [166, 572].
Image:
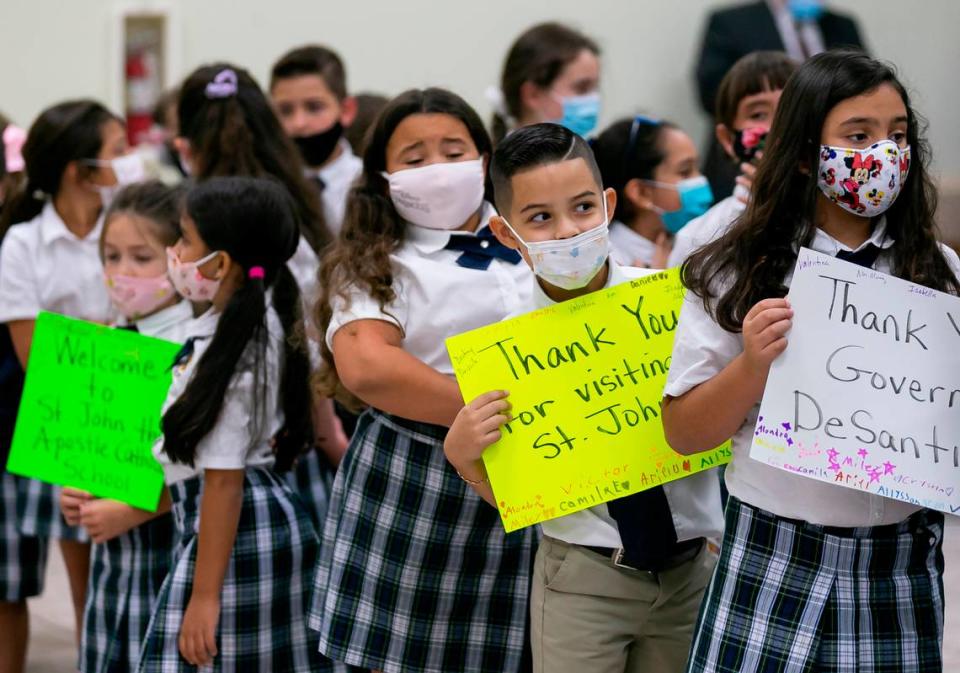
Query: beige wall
[54, 49]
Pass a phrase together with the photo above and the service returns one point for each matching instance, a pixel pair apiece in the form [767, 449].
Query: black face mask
[747, 142]
[316, 149]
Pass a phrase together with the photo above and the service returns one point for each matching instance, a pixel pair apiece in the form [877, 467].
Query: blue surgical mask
[805, 10]
[581, 113]
[696, 197]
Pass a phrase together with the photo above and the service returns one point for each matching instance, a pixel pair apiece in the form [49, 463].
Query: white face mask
[438, 196]
[864, 182]
[128, 169]
[187, 279]
[570, 263]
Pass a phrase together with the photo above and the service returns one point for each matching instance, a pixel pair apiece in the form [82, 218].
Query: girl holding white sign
[811, 576]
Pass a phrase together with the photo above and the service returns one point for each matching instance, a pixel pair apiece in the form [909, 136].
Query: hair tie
[224, 85]
[498, 102]
[13, 139]
[256, 272]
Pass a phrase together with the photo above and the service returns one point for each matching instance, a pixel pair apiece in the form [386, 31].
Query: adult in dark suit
[801, 28]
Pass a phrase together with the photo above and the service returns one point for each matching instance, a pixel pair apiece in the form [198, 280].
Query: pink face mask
[187, 279]
[138, 297]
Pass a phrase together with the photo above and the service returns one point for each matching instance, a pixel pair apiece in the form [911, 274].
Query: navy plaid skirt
[312, 478]
[126, 574]
[23, 559]
[416, 572]
[38, 506]
[266, 592]
[792, 597]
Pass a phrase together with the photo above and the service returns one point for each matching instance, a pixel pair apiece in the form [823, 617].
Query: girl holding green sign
[75, 156]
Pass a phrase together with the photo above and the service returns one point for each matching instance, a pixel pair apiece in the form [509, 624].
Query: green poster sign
[90, 411]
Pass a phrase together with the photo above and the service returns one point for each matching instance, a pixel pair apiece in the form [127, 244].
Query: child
[416, 572]
[811, 576]
[551, 73]
[238, 590]
[746, 102]
[75, 158]
[132, 547]
[369, 105]
[227, 127]
[652, 165]
[626, 598]
[308, 86]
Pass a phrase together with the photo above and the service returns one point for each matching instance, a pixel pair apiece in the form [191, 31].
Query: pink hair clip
[223, 85]
[13, 139]
[255, 272]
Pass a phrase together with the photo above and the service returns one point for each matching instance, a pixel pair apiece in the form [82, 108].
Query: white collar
[828, 245]
[341, 167]
[159, 321]
[52, 227]
[630, 244]
[615, 276]
[431, 240]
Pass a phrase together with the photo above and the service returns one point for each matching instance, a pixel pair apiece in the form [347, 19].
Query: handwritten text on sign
[867, 393]
[585, 379]
[90, 410]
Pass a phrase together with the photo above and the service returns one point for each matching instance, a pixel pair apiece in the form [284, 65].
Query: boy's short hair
[532, 146]
[312, 59]
[754, 73]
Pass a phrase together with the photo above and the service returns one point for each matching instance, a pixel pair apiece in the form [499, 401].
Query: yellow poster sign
[585, 378]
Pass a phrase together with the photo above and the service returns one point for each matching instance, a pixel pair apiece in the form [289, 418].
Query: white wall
[52, 49]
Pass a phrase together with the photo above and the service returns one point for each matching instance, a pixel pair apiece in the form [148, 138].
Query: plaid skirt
[416, 572]
[792, 597]
[39, 508]
[23, 559]
[266, 591]
[126, 574]
[311, 478]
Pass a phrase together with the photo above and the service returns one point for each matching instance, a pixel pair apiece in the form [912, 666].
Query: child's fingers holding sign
[70, 501]
[764, 330]
[476, 427]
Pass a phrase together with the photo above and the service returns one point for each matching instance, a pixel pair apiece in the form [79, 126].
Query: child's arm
[21, 334]
[219, 517]
[709, 414]
[328, 431]
[373, 366]
[475, 428]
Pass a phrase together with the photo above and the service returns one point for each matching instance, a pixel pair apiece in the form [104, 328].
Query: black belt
[683, 552]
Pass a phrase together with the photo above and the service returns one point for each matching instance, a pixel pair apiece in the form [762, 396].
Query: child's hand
[747, 173]
[764, 328]
[70, 501]
[198, 632]
[662, 254]
[476, 427]
[107, 519]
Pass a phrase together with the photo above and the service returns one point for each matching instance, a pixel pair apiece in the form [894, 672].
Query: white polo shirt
[338, 177]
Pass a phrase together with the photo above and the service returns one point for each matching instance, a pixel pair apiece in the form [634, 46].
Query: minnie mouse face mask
[864, 182]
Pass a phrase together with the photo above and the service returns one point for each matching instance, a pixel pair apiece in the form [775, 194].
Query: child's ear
[610, 195]
[639, 194]
[531, 99]
[182, 146]
[725, 138]
[348, 111]
[503, 234]
[225, 266]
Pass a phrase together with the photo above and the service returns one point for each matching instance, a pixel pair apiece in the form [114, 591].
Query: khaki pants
[589, 616]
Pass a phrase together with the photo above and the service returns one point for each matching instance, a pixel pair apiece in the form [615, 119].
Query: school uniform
[594, 607]
[811, 576]
[628, 248]
[335, 180]
[126, 572]
[416, 571]
[45, 267]
[708, 227]
[266, 590]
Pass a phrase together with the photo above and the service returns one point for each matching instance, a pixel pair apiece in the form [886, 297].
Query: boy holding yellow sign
[616, 586]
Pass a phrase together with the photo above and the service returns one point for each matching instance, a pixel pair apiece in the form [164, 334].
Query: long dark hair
[239, 134]
[229, 213]
[372, 229]
[66, 132]
[539, 55]
[630, 149]
[753, 258]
